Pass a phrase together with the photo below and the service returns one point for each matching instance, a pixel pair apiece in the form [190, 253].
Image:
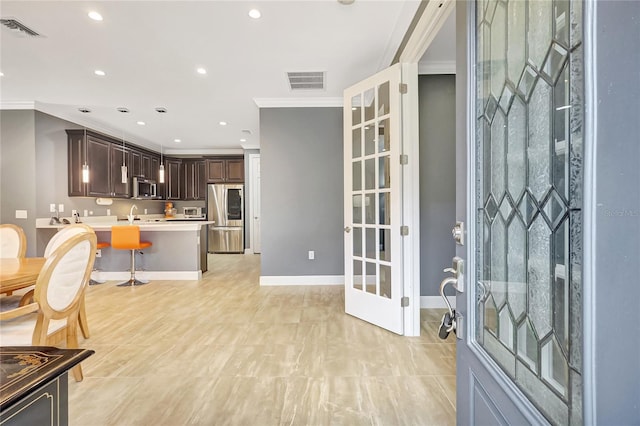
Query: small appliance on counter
[169, 211]
[192, 212]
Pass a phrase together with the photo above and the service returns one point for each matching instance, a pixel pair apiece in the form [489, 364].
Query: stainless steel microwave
[192, 211]
[143, 188]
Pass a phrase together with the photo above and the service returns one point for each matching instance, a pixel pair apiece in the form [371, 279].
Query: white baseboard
[432, 302]
[248, 251]
[302, 280]
[148, 275]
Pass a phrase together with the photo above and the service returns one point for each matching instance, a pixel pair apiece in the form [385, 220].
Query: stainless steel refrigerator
[225, 206]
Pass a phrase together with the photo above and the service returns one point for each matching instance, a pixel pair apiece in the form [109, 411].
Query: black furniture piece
[33, 384]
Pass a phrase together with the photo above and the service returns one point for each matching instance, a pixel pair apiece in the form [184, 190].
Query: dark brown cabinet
[225, 170]
[194, 180]
[172, 178]
[105, 158]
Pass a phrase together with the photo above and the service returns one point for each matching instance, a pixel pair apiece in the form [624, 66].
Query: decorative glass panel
[383, 99]
[356, 110]
[384, 171]
[370, 243]
[385, 281]
[357, 241]
[385, 245]
[369, 174]
[370, 279]
[357, 274]
[357, 175]
[384, 215]
[357, 208]
[370, 208]
[369, 104]
[356, 140]
[529, 144]
[369, 139]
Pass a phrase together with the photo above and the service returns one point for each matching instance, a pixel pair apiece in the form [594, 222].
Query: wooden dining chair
[60, 237]
[13, 242]
[53, 316]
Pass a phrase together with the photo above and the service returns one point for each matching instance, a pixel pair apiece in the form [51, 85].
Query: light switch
[21, 214]
[52, 208]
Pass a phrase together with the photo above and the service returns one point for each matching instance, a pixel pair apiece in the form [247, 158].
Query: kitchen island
[178, 251]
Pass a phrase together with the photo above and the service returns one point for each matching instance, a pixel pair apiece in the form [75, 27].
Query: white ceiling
[150, 50]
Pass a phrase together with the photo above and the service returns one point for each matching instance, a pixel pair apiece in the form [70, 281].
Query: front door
[373, 216]
[519, 353]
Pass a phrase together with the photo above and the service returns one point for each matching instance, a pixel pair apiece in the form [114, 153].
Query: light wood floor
[225, 351]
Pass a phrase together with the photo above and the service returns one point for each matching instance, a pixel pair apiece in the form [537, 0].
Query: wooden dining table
[17, 273]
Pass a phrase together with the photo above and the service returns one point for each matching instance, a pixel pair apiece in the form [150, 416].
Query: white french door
[373, 202]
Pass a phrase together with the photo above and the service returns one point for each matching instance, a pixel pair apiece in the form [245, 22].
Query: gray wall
[612, 230]
[18, 171]
[437, 178]
[302, 185]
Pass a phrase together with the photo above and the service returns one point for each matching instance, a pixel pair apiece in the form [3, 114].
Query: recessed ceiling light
[201, 71]
[243, 140]
[255, 13]
[177, 140]
[1, 74]
[100, 73]
[95, 16]
[223, 123]
[141, 123]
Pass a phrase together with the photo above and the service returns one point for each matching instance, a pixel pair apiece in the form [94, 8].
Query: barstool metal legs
[133, 280]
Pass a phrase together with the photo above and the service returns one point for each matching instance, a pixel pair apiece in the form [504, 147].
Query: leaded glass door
[373, 252]
[520, 359]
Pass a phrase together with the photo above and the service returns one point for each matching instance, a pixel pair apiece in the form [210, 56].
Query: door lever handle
[347, 229]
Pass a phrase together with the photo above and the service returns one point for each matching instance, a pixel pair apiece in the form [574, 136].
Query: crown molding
[437, 67]
[18, 105]
[200, 152]
[298, 102]
[431, 21]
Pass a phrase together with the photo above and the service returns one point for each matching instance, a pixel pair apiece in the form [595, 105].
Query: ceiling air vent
[306, 80]
[18, 28]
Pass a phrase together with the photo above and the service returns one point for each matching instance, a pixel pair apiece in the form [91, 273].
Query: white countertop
[153, 224]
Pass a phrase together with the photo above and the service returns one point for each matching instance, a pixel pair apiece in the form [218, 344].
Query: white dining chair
[13, 242]
[52, 318]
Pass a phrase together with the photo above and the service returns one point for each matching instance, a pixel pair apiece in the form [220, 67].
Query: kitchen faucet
[54, 219]
[130, 216]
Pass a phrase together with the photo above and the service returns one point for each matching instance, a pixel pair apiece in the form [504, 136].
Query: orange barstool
[101, 245]
[128, 238]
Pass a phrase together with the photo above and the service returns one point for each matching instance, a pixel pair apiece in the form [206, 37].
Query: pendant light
[161, 169]
[161, 110]
[123, 168]
[85, 166]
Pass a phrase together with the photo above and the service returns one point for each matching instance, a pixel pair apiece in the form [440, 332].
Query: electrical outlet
[312, 255]
[99, 253]
[74, 212]
[21, 214]
[108, 212]
[145, 211]
[52, 208]
[86, 212]
[60, 208]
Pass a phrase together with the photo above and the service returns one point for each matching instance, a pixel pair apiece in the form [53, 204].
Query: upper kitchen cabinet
[172, 168]
[225, 169]
[104, 159]
[194, 180]
[144, 164]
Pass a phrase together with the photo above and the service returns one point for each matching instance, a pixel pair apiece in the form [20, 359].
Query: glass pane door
[529, 167]
[373, 276]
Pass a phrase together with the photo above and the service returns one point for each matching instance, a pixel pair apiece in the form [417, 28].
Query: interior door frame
[253, 209]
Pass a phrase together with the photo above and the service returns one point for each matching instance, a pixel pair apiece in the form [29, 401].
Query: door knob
[458, 233]
[347, 229]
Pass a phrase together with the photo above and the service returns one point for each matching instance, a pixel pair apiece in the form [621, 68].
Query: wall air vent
[306, 80]
[18, 28]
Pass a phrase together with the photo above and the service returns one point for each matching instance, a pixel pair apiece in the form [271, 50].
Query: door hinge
[404, 230]
[404, 302]
[403, 88]
[404, 159]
